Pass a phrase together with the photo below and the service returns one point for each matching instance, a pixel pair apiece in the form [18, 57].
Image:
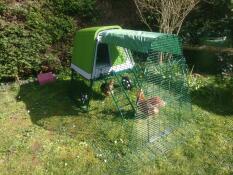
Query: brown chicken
[107, 88]
[150, 106]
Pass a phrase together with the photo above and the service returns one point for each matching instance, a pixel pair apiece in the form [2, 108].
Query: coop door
[102, 55]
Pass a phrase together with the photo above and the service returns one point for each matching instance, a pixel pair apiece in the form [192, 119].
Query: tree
[169, 15]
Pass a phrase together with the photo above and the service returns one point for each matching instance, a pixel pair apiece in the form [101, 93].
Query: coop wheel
[126, 83]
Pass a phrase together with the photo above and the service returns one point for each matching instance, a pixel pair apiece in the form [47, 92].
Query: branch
[141, 16]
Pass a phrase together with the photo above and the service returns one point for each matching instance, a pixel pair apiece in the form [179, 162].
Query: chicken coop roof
[143, 41]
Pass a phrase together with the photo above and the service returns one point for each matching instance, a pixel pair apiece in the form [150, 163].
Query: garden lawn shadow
[51, 107]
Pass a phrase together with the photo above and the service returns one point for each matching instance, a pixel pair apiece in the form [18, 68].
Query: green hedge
[84, 9]
[21, 51]
[38, 36]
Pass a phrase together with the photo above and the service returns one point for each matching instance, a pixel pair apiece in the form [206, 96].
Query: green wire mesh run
[134, 125]
[166, 101]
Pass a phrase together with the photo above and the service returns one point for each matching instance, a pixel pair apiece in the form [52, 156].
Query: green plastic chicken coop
[150, 92]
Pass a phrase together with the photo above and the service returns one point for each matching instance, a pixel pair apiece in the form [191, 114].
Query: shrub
[37, 36]
[29, 47]
[84, 9]
[2, 8]
[21, 51]
[58, 27]
[218, 18]
[225, 62]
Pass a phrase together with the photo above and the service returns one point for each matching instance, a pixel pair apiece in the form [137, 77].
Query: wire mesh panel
[143, 106]
[163, 100]
[151, 110]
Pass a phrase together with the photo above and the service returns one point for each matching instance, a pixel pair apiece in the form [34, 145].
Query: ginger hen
[107, 88]
[150, 106]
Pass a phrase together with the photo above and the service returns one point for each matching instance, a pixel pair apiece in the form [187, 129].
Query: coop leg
[90, 93]
[72, 83]
[72, 75]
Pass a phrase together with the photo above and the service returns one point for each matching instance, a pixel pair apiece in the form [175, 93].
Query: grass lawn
[43, 132]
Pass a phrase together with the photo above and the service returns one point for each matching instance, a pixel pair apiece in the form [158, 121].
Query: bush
[29, 42]
[21, 51]
[225, 62]
[84, 9]
[38, 36]
[59, 27]
[218, 20]
[2, 8]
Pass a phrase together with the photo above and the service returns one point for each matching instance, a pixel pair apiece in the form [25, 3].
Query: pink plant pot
[45, 78]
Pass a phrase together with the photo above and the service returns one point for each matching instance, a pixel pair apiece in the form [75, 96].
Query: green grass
[43, 132]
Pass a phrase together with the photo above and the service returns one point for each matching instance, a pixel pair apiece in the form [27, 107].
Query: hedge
[37, 37]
